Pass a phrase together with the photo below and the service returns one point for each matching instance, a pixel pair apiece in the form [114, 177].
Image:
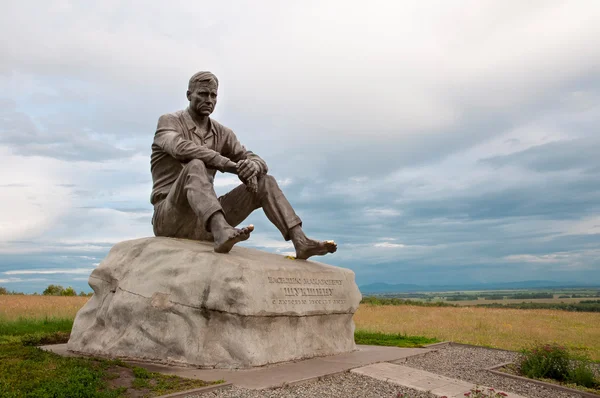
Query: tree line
[51, 290]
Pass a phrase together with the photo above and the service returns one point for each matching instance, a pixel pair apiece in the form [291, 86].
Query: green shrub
[549, 361]
[582, 375]
[552, 361]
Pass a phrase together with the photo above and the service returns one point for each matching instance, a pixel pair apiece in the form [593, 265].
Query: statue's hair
[202, 77]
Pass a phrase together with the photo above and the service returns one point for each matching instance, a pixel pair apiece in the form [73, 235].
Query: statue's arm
[235, 151]
[168, 138]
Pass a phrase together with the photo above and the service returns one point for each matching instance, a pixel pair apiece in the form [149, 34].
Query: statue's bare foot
[229, 236]
[306, 248]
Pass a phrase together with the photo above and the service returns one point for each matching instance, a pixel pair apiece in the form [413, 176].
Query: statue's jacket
[178, 140]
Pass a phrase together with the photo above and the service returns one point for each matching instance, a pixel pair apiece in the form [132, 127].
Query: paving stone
[418, 379]
[280, 374]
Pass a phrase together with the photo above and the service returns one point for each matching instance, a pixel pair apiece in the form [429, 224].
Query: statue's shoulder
[220, 127]
[173, 120]
[173, 115]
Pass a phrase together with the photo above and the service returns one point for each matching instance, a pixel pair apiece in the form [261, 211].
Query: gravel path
[344, 385]
[458, 362]
[467, 363]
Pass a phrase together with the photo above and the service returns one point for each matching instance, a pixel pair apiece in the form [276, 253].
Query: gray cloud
[57, 139]
[433, 146]
[555, 156]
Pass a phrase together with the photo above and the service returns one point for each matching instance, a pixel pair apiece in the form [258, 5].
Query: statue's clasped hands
[247, 171]
[247, 168]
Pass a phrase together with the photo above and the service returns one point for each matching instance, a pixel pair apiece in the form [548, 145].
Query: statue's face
[203, 99]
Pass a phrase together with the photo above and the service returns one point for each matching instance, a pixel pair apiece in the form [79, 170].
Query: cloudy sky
[436, 141]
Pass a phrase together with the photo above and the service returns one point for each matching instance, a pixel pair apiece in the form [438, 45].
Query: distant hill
[381, 287]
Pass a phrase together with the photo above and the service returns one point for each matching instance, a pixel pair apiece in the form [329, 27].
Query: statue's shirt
[179, 140]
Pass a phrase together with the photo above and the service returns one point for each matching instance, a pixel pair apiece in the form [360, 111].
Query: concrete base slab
[60, 349]
[419, 380]
[280, 374]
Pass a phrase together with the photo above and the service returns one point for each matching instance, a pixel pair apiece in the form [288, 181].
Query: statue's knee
[266, 182]
[195, 164]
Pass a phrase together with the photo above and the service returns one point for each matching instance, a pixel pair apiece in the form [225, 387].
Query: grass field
[19, 306]
[500, 328]
[26, 321]
[32, 372]
[25, 370]
[391, 339]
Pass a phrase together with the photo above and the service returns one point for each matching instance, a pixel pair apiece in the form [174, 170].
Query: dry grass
[510, 329]
[35, 307]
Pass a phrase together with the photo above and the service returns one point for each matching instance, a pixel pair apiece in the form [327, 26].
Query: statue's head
[202, 93]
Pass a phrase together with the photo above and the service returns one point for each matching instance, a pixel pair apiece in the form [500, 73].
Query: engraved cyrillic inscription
[297, 290]
[305, 281]
[307, 291]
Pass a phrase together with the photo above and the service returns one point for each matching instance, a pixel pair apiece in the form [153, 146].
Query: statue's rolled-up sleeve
[169, 139]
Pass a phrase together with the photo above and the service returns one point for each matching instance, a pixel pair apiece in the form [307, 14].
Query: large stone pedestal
[176, 301]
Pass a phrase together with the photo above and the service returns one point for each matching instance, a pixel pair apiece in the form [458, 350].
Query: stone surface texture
[177, 301]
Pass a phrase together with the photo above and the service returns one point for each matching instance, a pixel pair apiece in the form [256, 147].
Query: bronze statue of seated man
[188, 148]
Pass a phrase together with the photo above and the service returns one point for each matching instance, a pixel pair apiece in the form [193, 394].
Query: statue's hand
[247, 169]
